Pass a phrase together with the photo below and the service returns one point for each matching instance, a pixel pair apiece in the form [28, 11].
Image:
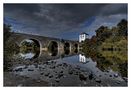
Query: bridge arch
[67, 48]
[35, 47]
[76, 47]
[53, 48]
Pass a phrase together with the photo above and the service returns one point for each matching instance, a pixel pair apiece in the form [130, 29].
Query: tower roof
[84, 33]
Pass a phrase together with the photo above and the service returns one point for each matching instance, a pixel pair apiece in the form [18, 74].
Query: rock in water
[57, 80]
[91, 76]
[98, 80]
[82, 77]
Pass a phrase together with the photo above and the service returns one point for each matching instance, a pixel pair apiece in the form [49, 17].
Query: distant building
[83, 36]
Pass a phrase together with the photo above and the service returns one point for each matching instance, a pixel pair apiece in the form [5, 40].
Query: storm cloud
[62, 20]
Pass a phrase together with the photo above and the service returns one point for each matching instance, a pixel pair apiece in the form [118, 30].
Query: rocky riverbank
[54, 73]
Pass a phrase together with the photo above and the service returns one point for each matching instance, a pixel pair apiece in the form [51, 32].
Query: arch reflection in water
[76, 48]
[53, 48]
[67, 48]
[29, 49]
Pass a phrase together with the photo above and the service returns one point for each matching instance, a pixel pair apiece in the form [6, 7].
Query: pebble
[118, 82]
[64, 76]
[98, 80]
[76, 73]
[78, 68]
[110, 75]
[41, 73]
[53, 67]
[82, 77]
[65, 65]
[47, 74]
[61, 71]
[99, 75]
[36, 66]
[57, 80]
[91, 76]
[25, 67]
[50, 76]
[70, 72]
[30, 70]
[60, 75]
[59, 65]
[125, 78]
[19, 69]
[115, 75]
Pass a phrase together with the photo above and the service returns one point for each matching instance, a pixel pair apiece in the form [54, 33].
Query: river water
[29, 69]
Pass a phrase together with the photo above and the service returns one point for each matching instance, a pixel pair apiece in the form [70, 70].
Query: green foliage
[122, 25]
[7, 34]
[102, 34]
[10, 48]
[107, 38]
[109, 47]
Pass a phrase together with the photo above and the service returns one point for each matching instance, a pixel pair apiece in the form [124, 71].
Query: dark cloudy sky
[62, 20]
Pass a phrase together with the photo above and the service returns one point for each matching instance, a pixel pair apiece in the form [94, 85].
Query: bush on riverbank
[109, 47]
[10, 48]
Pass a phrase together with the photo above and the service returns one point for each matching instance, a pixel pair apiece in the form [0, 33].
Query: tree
[102, 34]
[10, 48]
[122, 25]
[7, 32]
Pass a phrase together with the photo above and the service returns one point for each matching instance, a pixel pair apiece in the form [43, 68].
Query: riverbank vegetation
[10, 48]
[109, 47]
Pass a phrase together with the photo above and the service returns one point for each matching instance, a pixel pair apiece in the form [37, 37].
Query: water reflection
[67, 48]
[73, 69]
[29, 49]
[76, 48]
[82, 58]
[27, 55]
[53, 48]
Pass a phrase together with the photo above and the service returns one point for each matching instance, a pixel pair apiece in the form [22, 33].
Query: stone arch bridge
[62, 47]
